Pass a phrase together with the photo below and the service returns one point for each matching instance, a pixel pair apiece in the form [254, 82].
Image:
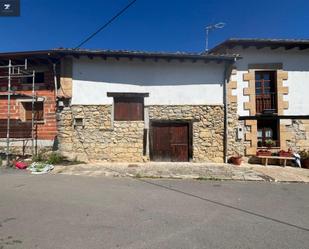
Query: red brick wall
[19, 128]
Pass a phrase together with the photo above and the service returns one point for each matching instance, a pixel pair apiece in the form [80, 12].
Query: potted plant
[270, 143]
[236, 160]
[304, 157]
[284, 153]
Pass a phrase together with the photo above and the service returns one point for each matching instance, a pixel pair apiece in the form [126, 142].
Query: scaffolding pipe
[32, 114]
[15, 71]
[8, 118]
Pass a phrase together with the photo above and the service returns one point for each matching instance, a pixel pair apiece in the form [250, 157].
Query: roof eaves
[127, 53]
[301, 43]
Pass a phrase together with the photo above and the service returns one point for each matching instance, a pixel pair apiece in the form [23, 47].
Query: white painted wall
[294, 61]
[168, 83]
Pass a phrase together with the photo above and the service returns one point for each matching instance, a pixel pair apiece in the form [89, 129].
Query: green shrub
[304, 154]
[55, 158]
[38, 158]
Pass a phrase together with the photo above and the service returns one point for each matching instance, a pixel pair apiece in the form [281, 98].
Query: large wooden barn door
[170, 142]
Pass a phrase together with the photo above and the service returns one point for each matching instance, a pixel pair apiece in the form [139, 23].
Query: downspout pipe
[227, 74]
[55, 80]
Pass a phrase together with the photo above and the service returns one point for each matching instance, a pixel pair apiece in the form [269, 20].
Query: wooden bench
[280, 158]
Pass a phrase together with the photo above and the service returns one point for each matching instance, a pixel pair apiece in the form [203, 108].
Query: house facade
[138, 106]
[270, 85]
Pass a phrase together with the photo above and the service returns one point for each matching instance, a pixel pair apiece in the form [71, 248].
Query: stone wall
[101, 138]
[235, 146]
[295, 133]
[207, 123]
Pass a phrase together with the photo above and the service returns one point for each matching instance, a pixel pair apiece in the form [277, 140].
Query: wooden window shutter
[38, 109]
[128, 108]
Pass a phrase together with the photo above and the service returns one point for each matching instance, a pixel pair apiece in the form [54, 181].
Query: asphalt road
[57, 211]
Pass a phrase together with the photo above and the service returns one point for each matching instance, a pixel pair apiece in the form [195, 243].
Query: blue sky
[152, 25]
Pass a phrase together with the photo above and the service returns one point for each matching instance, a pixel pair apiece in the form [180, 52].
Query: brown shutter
[28, 113]
[38, 111]
[136, 109]
[128, 108]
[121, 109]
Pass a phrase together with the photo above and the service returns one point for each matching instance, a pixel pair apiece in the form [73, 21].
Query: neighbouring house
[138, 106]
[270, 86]
[44, 129]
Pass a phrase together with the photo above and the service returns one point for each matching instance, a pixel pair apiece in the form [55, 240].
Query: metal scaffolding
[18, 71]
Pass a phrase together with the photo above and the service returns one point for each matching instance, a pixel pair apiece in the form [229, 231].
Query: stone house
[270, 86]
[138, 106]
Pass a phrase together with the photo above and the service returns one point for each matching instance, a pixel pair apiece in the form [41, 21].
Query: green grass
[54, 158]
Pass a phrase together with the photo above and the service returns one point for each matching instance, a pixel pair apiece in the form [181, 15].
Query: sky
[150, 25]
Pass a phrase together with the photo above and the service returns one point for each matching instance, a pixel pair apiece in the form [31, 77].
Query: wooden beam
[124, 94]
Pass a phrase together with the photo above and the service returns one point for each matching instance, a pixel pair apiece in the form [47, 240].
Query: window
[265, 91]
[39, 77]
[128, 108]
[78, 122]
[38, 110]
[267, 130]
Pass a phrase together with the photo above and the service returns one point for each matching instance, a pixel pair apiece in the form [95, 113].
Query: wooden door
[170, 142]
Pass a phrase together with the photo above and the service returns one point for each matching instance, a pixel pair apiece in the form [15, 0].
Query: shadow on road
[224, 205]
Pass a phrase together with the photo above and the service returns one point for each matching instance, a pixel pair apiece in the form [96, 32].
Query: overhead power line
[106, 24]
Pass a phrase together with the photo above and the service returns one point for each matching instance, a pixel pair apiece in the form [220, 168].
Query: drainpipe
[55, 80]
[227, 71]
[225, 134]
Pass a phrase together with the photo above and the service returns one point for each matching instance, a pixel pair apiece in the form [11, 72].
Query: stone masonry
[296, 133]
[207, 127]
[235, 146]
[101, 138]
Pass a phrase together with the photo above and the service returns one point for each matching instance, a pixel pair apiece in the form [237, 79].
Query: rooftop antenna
[212, 27]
